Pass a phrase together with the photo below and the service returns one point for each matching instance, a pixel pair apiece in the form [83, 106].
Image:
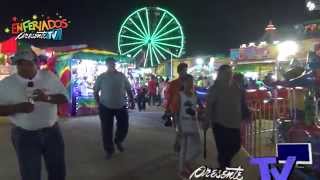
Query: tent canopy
[97, 55]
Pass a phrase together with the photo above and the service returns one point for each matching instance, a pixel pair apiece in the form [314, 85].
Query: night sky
[210, 26]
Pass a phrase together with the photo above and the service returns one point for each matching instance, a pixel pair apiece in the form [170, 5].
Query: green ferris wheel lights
[166, 44]
[145, 62]
[166, 50]
[163, 56]
[148, 23]
[137, 27]
[137, 53]
[182, 39]
[129, 29]
[130, 44]
[163, 15]
[171, 38]
[144, 28]
[130, 37]
[133, 49]
[155, 55]
[161, 35]
[151, 57]
[154, 31]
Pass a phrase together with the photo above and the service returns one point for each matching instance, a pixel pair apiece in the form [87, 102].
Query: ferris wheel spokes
[130, 37]
[165, 50]
[167, 32]
[168, 45]
[137, 53]
[151, 57]
[163, 56]
[166, 39]
[148, 23]
[154, 31]
[132, 43]
[145, 59]
[161, 19]
[144, 28]
[155, 54]
[133, 49]
[139, 29]
[155, 34]
[141, 36]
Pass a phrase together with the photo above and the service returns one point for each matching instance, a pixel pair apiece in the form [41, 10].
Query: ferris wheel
[152, 31]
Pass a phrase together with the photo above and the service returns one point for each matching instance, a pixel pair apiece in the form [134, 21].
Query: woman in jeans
[224, 113]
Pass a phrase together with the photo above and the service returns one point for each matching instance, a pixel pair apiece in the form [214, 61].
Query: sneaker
[120, 147]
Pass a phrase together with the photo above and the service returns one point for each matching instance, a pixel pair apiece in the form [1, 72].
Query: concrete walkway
[149, 152]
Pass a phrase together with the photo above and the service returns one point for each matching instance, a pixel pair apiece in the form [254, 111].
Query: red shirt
[172, 92]
[152, 87]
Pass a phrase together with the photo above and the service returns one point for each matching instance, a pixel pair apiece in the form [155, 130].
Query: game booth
[7, 49]
[78, 70]
[77, 66]
[254, 61]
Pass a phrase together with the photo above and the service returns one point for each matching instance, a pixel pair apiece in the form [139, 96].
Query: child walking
[141, 98]
[188, 128]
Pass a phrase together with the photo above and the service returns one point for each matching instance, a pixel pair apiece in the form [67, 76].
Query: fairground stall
[7, 49]
[204, 69]
[254, 61]
[78, 70]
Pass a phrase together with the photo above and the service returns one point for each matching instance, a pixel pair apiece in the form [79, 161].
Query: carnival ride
[153, 32]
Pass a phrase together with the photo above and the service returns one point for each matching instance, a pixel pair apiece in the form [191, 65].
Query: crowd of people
[149, 90]
[30, 98]
[224, 110]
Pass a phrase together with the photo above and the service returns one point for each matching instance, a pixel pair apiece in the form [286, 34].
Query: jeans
[107, 120]
[30, 146]
[152, 100]
[141, 101]
[228, 143]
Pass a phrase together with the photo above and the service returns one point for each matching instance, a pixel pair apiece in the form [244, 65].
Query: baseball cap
[28, 55]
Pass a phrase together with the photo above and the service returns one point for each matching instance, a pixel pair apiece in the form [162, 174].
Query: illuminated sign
[267, 172]
[288, 154]
[253, 53]
[38, 27]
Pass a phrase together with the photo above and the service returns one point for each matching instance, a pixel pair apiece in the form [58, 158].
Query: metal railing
[259, 134]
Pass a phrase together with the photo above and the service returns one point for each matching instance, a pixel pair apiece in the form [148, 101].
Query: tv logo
[266, 172]
[287, 153]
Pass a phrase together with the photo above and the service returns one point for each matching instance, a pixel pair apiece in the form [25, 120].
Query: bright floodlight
[211, 62]
[199, 61]
[286, 49]
[311, 5]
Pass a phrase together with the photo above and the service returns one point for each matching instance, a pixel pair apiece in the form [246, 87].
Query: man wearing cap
[30, 98]
[113, 87]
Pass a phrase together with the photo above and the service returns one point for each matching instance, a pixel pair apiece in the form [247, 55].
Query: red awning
[9, 46]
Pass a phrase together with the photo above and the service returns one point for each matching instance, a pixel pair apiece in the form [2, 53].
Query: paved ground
[149, 153]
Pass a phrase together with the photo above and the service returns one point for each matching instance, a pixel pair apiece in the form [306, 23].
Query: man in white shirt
[113, 86]
[30, 98]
